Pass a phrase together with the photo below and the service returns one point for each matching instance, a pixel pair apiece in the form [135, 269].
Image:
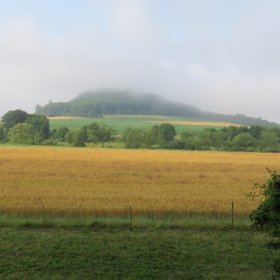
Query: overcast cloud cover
[219, 55]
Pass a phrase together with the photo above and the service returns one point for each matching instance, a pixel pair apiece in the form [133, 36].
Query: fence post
[44, 215]
[232, 213]
[130, 215]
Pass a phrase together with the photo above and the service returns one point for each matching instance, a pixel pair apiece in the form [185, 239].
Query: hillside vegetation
[97, 103]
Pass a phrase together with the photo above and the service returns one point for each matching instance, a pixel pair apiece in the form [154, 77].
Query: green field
[116, 249]
[121, 122]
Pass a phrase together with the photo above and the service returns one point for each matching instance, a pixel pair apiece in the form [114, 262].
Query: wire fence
[129, 212]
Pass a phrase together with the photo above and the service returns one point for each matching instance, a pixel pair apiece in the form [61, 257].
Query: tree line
[254, 138]
[112, 102]
[33, 129]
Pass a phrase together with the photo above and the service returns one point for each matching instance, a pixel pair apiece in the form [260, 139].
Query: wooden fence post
[44, 215]
[232, 213]
[130, 215]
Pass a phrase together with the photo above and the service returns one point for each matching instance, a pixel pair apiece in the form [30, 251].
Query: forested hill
[90, 104]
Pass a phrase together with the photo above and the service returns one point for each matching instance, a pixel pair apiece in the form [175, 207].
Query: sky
[219, 55]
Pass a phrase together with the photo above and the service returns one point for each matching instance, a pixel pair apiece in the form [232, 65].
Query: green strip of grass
[133, 253]
[64, 221]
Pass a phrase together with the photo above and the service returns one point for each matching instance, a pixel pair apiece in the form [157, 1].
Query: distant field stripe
[195, 123]
[64, 118]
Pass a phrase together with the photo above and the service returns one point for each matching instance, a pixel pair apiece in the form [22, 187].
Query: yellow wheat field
[92, 180]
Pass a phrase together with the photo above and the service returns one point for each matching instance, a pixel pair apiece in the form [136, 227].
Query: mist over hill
[111, 102]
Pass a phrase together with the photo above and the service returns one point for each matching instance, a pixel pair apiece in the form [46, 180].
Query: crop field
[121, 122]
[101, 180]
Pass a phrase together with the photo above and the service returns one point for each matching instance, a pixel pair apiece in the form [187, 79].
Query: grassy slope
[121, 122]
[106, 251]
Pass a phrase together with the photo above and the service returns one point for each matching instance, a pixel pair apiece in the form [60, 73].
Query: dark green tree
[60, 133]
[77, 137]
[166, 132]
[3, 137]
[14, 117]
[41, 127]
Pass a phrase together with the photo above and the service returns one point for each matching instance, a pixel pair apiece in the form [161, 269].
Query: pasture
[103, 181]
[119, 252]
[121, 122]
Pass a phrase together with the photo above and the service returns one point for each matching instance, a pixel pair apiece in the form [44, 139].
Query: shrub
[267, 215]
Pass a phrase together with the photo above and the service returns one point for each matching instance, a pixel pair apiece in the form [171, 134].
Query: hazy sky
[219, 55]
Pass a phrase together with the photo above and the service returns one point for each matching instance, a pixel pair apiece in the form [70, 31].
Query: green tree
[22, 133]
[256, 131]
[41, 127]
[76, 137]
[60, 133]
[134, 138]
[243, 141]
[152, 136]
[267, 215]
[14, 117]
[269, 140]
[193, 141]
[3, 137]
[166, 132]
[99, 133]
[211, 138]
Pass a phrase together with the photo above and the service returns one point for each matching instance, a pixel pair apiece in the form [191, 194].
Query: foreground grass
[110, 248]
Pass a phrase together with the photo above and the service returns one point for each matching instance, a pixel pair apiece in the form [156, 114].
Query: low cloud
[196, 53]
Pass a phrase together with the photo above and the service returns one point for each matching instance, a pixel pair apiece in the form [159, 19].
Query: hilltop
[110, 102]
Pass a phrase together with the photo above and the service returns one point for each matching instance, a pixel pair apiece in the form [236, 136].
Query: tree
[3, 137]
[256, 131]
[134, 138]
[243, 141]
[14, 117]
[267, 215]
[41, 127]
[269, 140]
[22, 133]
[76, 137]
[152, 137]
[60, 133]
[166, 132]
[99, 133]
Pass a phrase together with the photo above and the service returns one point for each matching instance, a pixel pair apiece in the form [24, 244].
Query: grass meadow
[121, 122]
[101, 251]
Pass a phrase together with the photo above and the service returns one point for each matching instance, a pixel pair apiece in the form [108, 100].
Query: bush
[50, 142]
[176, 145]
[267, 215]
[134, 138]
[76, 137]
[22, 133]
